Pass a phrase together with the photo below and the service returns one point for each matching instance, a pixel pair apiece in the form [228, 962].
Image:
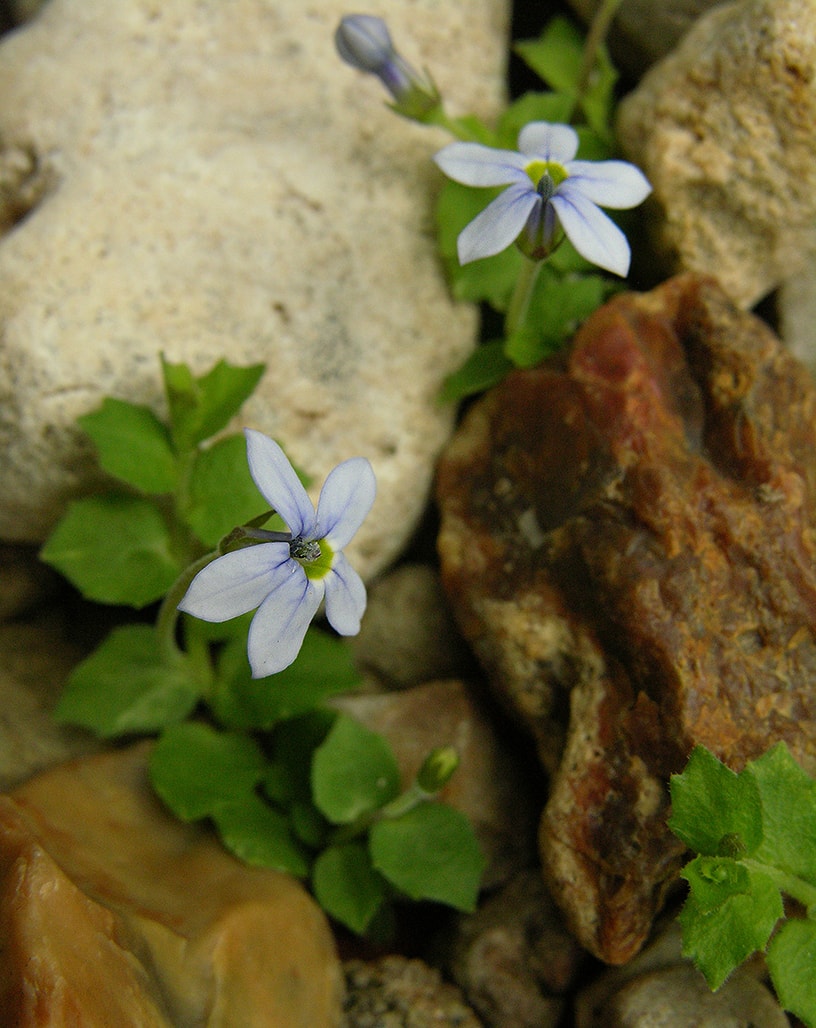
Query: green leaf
[712, 806]
[323, 668]
[490, 279]
[353, 772]
[346, 885]
[788, 797]
[309, 825]
[485, 367]
[259, 835]
[719, 938]
[222, 493]
[129, 685]
[792, 964]
[196, 769]
[200, 407]
[556, 56]
[115, 549]
[714, 880]
[133, 445]
[553, 107]
[430, 853]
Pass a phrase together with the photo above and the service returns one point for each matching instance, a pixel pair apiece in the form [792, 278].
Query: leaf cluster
[568, 289]
[755, 836]
[287, 783]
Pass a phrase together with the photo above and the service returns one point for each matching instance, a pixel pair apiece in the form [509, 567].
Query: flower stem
[402, 804]
[168, 612]
[456, 126]
[598, 30]
[520, 301]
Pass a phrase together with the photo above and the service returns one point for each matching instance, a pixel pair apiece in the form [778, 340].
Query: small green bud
[437, 769]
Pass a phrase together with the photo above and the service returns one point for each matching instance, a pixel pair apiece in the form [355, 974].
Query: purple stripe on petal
[499, 224]
[596, 237]
[345, 500]
[616, 184]
[548, 142]
[277, 630]
[279, 485]
[235, 583]
[473, 164]
[345, 597]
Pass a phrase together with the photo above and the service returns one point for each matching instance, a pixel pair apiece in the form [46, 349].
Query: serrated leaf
[133, 445]
[353, 772]
[484, 368]
[259, 835]
[115, 549]
[196, 769]
[128, 685]
[788, 798]
[710, 803]
[430, 853]
[222, 493]
[324, 667]
[792, 964]
[346, 885]
[200, 407]
[720, 938]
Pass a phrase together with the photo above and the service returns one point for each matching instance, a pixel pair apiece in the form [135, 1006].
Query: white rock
[209, 180]
[724, 129]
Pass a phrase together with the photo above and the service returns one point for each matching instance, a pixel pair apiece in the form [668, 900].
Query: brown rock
[116, 914]
[630, 538]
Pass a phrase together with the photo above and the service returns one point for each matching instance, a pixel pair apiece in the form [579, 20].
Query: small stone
[514, 958]
[627, 539]
[489, 786]
[796, 311]
[395, 992]
[723, 129]
[115, 913]
[408, 635]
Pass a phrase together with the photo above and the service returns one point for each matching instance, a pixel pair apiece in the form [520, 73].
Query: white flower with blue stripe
[286, 575]
[549, 195]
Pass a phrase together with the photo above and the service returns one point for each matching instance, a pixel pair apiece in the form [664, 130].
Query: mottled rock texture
[209, 180]
[723, 129]
[116, 914]
[627, 539]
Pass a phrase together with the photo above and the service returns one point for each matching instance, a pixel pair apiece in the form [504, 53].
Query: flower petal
[235, 583]
[473, 164]
[591, 232]
[345, 500]
[277, 630]
[548, 142]
[499, 224]
[345, 597]
[615, 184]
[276, 479]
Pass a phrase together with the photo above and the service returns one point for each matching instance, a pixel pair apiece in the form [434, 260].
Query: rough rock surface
[489, 786]
[628, 542]
[116, 914]
[514, 958]
[209, 181]
[723, 129]
[398, 993]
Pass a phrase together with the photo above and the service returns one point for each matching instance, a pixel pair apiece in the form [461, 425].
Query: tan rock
[117, 914]
[723, 129]
[219, 184]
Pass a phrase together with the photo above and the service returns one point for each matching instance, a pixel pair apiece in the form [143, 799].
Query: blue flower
[549, 195]
[287, 577]
[364, 42]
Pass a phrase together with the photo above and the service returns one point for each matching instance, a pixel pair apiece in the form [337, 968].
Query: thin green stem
[168, 612]
[598, 30]
[520, 301]
[402, 804]
[456, 127]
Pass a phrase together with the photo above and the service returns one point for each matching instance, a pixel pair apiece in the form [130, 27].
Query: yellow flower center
[539, 170]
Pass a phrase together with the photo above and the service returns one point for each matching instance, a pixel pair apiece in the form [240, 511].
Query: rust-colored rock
[627, 539]
[115, 914]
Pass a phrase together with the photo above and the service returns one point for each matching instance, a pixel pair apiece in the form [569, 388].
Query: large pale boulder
[724, 129]
[209, 180]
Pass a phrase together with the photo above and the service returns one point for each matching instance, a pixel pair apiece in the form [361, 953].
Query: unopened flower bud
[364, 42]
[437, 769]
